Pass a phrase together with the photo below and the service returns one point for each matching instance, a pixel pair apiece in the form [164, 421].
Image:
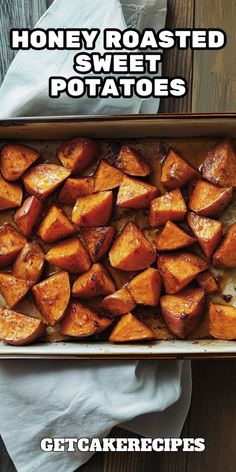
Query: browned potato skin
[10, 194]
[93, 210]
[176, 172]
[129, 329]
[11, 243]
[182, 312]
[75, 188]
[93, 283]
[179, 269]
[98, 240]
[15, 159]
[220, 165]
[132, 163]
[119, 303]
[52, 296]
[28, 215]
[55, 225]
[207, 231]
[80, 321]
[222, 321]
[70, 255]
[43, 179]
[170, 206]
[208, 200]
[29, 263]
[107, 177]
[134, 193]
[145, 287]
[13, 289]
[225, 255]
[207, 282]
[159, 328]
[171, 238]
[77, 154]
[18, 329]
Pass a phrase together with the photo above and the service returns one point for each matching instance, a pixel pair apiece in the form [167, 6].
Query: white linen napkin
[74, 398]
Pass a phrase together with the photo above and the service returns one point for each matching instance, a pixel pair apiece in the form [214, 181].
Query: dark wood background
[212, 87]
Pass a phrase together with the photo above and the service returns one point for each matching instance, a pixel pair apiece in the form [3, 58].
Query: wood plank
[214, 72]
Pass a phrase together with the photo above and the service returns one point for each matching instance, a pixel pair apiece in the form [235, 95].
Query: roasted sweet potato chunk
[29, 263]
[179, 269]
[80, 321]
[52, 296]
[69, 255]
[11, 243]
[18, 329]
[75, 188]
[220, 165]
[15, 159]
[107, 177]
[93, 210]
[208, 200]
[77, 154]
[176, 172]
[131, 250]
[93, 283]
[145, 288]
[135, 194]
[13, 289]
[129, 329]
[98, 240]
[43, 179]
[171, 238]
[225, 255]
[207, 282]
[119, 303]
[222, 321]
[170, 206]
[28, 214]
[182, 312]
[159, 328]
[10, 194]
[55, 225]
[207, 231]
[132, 163]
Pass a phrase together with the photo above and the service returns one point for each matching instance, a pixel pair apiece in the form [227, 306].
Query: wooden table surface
[212, 82]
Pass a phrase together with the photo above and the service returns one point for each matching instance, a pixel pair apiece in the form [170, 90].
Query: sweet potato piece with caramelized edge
[107, 177]
[10, 194]
[18, 329]
[28, 214]
[119, 303]
[207, 282]
[15, 159]
[179, 269]
[55, 225]
[70, 255]
[225, 255]
[159, 328]
[222, 321]
[29, 263]
[75, 188]
[93, 210]
[171, 238]
[131, 250]
[93, 283]
[135, 194]
[182, 312]
[43, 179]
[52, 296]
[129, 329]
[208, 200]
[77, 154]
[170, 206]
[220, 165]
[208, 232]
[80, 321]
[145, 288]
[176, 172]
[54, 335]
[132, 163]
[13, 289]
[98, 240]
[11, 243]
